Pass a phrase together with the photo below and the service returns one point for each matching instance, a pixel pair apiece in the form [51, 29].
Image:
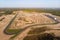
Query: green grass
[12, 31]
[52, 11]
[17, 33]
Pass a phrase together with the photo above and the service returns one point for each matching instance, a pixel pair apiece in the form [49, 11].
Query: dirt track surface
[22, 35]
[21, 21]
[3, 25]
[24, 19]
[25, 32]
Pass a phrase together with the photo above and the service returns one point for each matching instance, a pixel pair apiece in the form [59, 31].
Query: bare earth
[3, 25]
[25, 19]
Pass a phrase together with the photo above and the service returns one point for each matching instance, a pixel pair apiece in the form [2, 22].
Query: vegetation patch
[12, 31]
[37, 30]
[20, 30]
[44, 36]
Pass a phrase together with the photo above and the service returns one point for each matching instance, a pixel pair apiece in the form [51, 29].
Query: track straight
[9, 24]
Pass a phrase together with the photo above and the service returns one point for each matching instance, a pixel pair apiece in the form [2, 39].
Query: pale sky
[30, 3]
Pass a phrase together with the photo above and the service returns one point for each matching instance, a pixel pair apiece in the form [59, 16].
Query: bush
[45, 36]
[8, 12]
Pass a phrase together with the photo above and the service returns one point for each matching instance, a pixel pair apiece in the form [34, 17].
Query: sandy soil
[23, 20]
[3, 25]
[27, 19]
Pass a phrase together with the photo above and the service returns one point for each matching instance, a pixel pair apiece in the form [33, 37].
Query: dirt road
[3, 25]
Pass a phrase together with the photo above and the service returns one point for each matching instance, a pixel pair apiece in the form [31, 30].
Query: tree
[8, 12]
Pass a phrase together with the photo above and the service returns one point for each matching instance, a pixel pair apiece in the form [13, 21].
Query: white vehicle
[55, 18]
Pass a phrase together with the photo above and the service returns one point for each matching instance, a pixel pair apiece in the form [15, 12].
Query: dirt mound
[27, 19]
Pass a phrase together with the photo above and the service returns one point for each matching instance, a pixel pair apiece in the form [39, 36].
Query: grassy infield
[14, 32]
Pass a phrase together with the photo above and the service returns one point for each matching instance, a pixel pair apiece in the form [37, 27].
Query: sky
[29, 3]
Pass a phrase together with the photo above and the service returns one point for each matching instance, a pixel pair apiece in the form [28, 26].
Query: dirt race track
[3, 25]
[22, 21]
